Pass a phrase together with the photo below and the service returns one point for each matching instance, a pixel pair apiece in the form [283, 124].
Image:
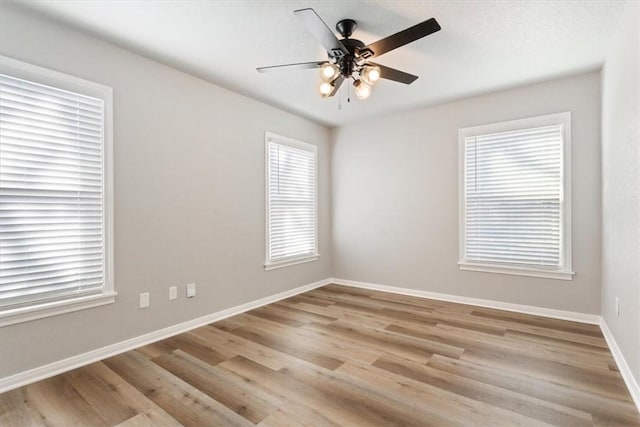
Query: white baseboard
[593, 319]
[55, 368]
[625, 370]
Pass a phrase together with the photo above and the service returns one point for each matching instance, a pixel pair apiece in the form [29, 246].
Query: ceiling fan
[350, 58]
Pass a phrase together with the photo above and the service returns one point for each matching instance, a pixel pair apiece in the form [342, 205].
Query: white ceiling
[483, 45]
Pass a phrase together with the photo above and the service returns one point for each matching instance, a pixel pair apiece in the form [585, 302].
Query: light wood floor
[345, 356]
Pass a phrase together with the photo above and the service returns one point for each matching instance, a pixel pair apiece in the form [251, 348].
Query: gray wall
[395, 197]
[189, 194]
[621, 187]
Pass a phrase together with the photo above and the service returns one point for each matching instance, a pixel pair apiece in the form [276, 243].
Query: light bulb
[325, 89]
[370, 74]
[361, 89]
[328, 72]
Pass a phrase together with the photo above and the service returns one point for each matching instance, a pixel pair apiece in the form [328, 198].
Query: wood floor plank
[606, 383]
[214, 383]
[560, 343]
[348, 290]
[528, 406]
[424, 303]
[107, 393]
[185, 403]
[622, 411]
[337, 401]
[346, 356]
[541, 330]
[222, 340]
[402, 345]
[227, 324]
[388, 310]
[422, 397]
[299, 347]
[292, 415]
[297, 314]
[568, 354]
[543, 351]
[465, 323]
[369, 319]
[480, 343]
[291, 389]
[200, 348]
[16, 410]
[139, 420]
[155, 349]
[528, 319]
[307, 299]
[60, 404]
[268, 314]
[321, 342]
[365, 301]
[372, 407]
[398, 308]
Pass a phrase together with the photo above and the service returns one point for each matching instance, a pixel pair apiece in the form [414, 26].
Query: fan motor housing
[352, 45]
[347, 63]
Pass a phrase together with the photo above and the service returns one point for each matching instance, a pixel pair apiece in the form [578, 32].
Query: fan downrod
[346, 27]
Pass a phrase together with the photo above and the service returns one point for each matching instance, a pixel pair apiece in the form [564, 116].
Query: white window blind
[291, 199]
[52, 224]
[514, 198]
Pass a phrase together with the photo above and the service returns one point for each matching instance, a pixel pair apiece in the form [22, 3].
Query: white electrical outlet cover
[173, 292]
[144, 300]
[191, 290]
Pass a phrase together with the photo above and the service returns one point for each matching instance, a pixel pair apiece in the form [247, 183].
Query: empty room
[319, 213]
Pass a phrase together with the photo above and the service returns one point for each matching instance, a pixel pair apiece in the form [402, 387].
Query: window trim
[293, 260]
[565, 272]
[71, 83]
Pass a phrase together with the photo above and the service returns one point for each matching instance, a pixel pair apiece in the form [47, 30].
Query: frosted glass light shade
[361, 89]
[325, 88]
[370, 74]
[328, 72]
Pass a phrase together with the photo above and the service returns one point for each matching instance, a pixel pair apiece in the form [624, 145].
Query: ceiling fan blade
[336, 85]
[395, 75]
[321, 31]
[286, 67]
[401, 38]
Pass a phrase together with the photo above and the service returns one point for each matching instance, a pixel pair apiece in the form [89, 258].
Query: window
[515, 197]
[292, 208]
[55, 193]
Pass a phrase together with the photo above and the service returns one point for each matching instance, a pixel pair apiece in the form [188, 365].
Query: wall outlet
[191, 290]
[173, 292]
[617, 306]
[144, 300]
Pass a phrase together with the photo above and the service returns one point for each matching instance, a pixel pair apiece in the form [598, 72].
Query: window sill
[272, 265]
[518, 271]
[54, 308]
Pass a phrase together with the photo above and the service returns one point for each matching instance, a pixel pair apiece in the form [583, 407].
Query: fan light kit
[349, 58]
